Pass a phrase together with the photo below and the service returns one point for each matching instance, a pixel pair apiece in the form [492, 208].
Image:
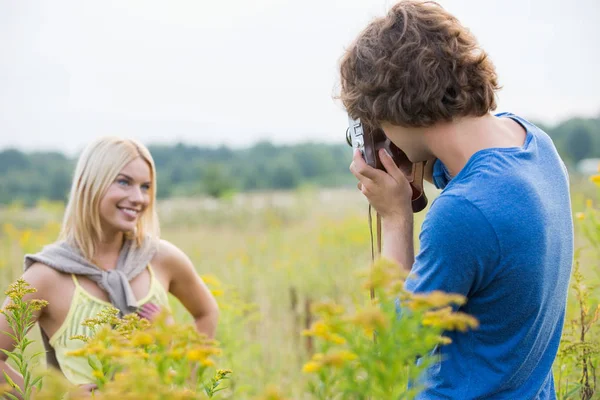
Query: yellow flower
[211, 280]
[18, 289]
[595, 179]
[339, 358]
[311, 367]
[222, 373]
[80, 337]
[580, 216]
[589, 203]
[335, 358]
[444, 340]
[176, 354]
[435, 299]
[445, 319]
[38, 304]
[327, 308]
[383, 273]
[141, 339]
[25, 237]
[322, 330]
[370, 319]
[207, 362]
[78, 353]
[197, 354]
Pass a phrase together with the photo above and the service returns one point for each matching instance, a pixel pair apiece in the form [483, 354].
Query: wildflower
[176, 354]
[370, 319]
[222, 374]
[327, 309]
[207, 362]
[211, 280]
[382, 274]
[25, 238]
[311, 367]
[78, 353]
[200, 353]
[141, 339]
[10, 307]
[445, 319]
[595, 179]
[444, 340]
[18, 289]
[435, 299]
[580, 216]
[335, 358]
[339, 358]
[324, 331]
[80, 337]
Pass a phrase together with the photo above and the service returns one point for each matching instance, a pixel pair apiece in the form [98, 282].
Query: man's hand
[388, 192]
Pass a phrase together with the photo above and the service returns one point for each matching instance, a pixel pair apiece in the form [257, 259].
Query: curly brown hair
[415, 67]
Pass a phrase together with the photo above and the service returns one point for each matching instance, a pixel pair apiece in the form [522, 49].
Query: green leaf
[26, 378]
[11, 382]
[13, 337]
[11, 396]
[13, 356]
[37, 381]
[573, 391]
[94, 363]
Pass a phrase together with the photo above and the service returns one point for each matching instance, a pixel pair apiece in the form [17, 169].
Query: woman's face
[126, 198]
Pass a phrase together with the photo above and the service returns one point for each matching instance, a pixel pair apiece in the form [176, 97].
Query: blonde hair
[97, 167]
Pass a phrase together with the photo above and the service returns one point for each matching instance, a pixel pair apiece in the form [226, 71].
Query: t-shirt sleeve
[458, 249]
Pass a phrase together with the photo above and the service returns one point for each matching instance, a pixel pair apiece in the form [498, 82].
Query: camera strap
[375, 253]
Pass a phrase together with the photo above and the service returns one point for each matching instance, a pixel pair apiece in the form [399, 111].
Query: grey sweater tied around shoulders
[66, 258]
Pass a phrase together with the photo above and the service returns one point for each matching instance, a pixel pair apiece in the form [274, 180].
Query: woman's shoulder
[42, 271]
[170, 257]
[44, 278]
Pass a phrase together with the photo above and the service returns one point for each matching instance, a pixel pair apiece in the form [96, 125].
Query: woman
[108, 253]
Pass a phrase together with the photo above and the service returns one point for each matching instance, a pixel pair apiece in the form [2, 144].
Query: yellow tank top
[83, 306]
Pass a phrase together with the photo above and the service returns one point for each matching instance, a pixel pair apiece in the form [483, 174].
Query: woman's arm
[189, 288]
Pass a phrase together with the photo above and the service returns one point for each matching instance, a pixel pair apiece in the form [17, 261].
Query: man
[500, 232]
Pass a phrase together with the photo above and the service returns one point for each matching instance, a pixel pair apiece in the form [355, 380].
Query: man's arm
[398, 242]
[390, 193]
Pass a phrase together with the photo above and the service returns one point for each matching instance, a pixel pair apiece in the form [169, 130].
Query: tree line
[188, 170]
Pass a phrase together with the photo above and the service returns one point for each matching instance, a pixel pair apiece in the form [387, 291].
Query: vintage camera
[370, 140]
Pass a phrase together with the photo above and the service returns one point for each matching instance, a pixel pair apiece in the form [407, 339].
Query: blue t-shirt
[500, 233]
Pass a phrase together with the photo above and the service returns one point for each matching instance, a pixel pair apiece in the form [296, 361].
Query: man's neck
[455, 143]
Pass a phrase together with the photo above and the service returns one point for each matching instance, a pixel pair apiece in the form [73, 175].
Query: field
[269, 256]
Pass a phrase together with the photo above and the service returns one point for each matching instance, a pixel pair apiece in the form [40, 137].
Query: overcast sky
[236, 71]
